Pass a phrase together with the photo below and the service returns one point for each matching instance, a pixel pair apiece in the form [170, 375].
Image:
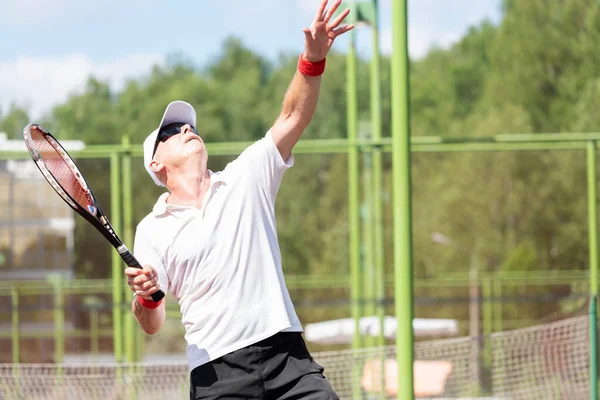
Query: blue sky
[50, 47]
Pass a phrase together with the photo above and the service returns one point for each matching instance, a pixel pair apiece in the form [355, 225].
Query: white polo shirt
[222, 262]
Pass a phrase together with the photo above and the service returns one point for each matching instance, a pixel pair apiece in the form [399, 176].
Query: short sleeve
[264, 162]
[147, 254]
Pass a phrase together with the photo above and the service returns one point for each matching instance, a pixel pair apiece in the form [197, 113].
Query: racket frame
[93, 214]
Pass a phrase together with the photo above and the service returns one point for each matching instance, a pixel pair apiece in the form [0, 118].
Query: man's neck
[189, 190]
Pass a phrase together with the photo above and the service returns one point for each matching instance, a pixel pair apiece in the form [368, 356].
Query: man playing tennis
[211, 240]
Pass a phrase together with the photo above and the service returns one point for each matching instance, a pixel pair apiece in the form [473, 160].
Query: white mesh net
[544, 362]
[442, 367]
[110, 381]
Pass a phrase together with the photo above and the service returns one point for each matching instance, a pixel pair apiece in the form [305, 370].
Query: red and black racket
[62, 174]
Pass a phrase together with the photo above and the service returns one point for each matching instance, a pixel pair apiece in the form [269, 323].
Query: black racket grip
[131, 261]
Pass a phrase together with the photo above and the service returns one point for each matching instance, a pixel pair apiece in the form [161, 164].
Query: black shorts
[279, 367]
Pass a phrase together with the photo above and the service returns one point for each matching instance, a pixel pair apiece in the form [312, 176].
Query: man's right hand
[142, 282]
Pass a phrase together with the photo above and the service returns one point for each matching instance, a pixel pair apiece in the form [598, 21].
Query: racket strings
[60, 169]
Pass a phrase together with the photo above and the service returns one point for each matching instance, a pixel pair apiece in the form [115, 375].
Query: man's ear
[156, 166]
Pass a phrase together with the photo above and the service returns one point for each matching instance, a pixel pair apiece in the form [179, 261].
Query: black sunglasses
[170, 130]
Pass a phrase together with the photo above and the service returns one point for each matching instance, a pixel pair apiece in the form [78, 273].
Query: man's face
[177, 144]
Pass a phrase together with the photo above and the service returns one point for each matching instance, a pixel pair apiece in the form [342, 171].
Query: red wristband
[149, 303]
[311, 68]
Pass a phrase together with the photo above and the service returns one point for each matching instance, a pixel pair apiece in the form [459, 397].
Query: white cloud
[38, 12]
[40, 83]
[420, 41]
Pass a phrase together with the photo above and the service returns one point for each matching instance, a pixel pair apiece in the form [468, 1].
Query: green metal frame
[62, 289]
[354, 200]
[402, 209]
[593, 252]
[65, 288]
[124, 330]
[116, 262]
[130, 326]
[418, 144]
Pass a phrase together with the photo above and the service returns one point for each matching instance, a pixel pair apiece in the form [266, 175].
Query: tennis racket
[62, 174]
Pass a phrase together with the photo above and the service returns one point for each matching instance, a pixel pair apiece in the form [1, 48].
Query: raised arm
[300, 101]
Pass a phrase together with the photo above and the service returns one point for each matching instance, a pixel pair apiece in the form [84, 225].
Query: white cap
[177, 111]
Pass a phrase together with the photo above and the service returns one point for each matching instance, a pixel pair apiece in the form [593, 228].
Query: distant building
[36, 226]
[37, 234]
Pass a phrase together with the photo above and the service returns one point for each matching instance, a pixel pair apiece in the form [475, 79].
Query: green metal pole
[130, 327]
[376, 129]
[488, 318]
[128, 322]
[117, 270]
[95, 331]
[592, 217]
[403, 290]
[354, 201]
[377, 187]
[498, 313]
[498, 351]
[368, 245]
[15, 336]
[140, 344]
[593, 254]
[593, 348]
[15, 326]
[59, 322]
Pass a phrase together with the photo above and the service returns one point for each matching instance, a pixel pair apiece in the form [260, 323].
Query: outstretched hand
[322, 32]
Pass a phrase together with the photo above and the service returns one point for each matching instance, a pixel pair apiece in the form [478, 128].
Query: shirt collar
[161, 206]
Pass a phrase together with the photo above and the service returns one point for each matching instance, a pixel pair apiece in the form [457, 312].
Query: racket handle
[131, 261]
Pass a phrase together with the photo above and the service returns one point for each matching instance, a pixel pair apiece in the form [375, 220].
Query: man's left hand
[323, 32]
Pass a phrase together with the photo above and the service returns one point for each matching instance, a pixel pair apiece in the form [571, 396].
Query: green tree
[13, 122]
